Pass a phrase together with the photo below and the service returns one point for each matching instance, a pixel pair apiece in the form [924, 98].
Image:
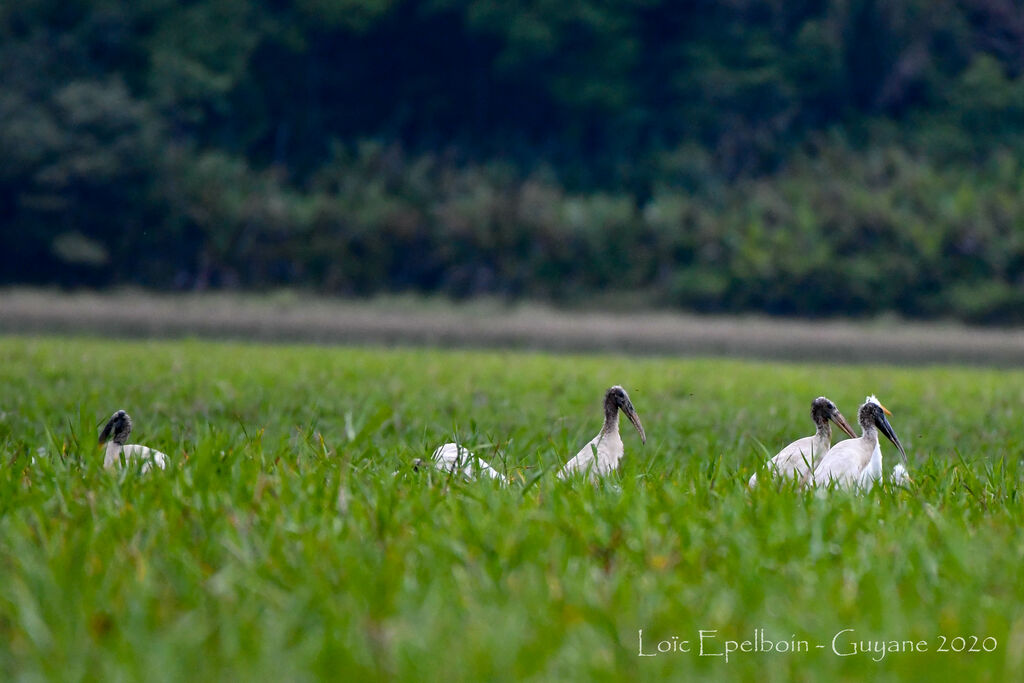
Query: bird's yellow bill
[884, 409]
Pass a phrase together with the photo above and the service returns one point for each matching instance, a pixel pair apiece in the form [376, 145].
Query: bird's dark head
[823, 410]
[616, 399]
[117, 429]
[873, 415]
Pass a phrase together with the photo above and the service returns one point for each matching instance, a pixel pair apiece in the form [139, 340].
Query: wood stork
[858, 462]
[800, 457]
[602, 454]
[115, 435]
[451, 458]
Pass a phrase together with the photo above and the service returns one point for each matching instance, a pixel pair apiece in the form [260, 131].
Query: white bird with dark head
[115, 436]
[602, 454]
[858, 462]
[800, 457]
[451, 458]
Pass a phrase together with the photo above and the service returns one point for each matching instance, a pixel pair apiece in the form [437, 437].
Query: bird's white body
[852, 463]
[857, 463]
[451, 458]
[148, 456]
[600, 456]
[798, 458]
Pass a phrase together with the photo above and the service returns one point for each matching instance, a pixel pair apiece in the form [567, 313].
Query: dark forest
[844, 157]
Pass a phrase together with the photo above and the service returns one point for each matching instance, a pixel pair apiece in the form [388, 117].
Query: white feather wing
[451, 457]
[149, 457]
[796, 459]
[842, 464]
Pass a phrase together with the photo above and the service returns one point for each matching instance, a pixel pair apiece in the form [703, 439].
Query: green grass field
[278, 545]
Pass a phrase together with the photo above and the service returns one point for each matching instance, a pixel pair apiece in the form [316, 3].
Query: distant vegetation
[810, 158]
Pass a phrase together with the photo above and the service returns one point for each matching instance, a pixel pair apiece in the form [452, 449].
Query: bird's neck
[611, 418]
[824, 431]
[112, 454]
[870, 437]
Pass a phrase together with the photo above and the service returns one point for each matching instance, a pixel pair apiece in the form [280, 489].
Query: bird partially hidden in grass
[858, 462]
[115, 436]
[602, 454]
[799, 458]
[452, 458]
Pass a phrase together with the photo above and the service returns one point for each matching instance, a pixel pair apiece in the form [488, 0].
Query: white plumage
[132, 452]
[900, 476]
[451, 458]
[799, 458]
[115, 435]
[601, 455]
[857, 463]
[796, 459]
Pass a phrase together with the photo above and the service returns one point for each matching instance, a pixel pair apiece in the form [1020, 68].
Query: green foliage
[723, 156]
[835, 231]
[279, 544]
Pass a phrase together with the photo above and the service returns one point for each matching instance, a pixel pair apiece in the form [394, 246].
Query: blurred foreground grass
[279, 546]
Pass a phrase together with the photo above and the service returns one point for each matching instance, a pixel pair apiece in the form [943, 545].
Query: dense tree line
[793, 156]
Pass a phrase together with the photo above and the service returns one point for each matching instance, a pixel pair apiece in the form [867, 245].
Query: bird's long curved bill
[886, 428]
[105, 434]
[635, 419]
[838, 418]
